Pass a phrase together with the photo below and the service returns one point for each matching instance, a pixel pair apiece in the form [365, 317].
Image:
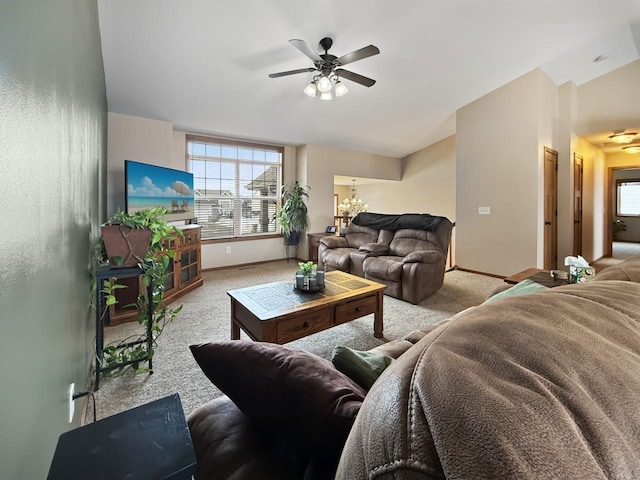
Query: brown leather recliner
[335, 253]
[414, 267]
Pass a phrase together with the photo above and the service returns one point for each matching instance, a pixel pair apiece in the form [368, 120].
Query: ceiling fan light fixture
[324, 84]
[311, 89]
[341, 89]
[326, 96]
[623, 137]
[632, 149]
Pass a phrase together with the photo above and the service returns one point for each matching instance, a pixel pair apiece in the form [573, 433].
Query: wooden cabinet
[184, 275]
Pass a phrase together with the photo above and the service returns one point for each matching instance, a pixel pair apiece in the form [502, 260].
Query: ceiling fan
[329, 68]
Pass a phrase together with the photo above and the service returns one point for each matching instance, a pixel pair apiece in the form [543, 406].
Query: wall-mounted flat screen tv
[149, 186]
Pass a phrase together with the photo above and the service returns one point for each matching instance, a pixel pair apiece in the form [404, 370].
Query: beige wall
[593, 201]
[567, 112]
[139, 139]
[322, 163]
[428, 184]
[499, 165]
[614, 99]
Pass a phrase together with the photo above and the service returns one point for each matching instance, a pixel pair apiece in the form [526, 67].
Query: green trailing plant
[293, 214]
[155, 269]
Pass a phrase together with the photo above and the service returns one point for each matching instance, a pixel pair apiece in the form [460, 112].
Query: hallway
[621, 251]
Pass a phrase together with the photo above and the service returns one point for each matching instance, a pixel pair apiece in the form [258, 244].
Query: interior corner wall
[53, 123]
[134, 138]
[567, 106]
[498, 166]
[593, 199]
[612, 99]
[428, 184]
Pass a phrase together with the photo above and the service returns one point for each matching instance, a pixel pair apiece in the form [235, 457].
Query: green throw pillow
[521, 288]
[361, 367]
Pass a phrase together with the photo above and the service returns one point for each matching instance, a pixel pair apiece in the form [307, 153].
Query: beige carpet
[205, 317]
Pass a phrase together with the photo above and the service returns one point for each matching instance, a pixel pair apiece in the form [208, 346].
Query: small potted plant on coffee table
[309, 278]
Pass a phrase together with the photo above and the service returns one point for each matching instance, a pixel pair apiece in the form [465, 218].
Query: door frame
[608, 231]
[554, 211]
[578, 160]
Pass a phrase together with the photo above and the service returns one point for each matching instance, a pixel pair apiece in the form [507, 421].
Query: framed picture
[331, 229]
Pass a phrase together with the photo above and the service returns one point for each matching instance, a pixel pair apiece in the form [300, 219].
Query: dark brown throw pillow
[288, 391]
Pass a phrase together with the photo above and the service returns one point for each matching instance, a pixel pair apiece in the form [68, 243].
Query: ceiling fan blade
[354, 77]
[358, 55]
[306, 49]
[291, 72]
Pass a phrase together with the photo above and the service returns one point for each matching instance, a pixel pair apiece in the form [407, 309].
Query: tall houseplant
[154, 261]
[293, 215]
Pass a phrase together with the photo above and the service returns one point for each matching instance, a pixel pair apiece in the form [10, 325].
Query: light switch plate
[484, 210]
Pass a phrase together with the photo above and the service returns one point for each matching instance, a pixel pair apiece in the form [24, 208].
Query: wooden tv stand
[185, 274]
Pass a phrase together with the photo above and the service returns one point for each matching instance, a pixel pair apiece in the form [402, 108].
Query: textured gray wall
[52, 171]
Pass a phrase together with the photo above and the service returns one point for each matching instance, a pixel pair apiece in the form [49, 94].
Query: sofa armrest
[374, 248]
[334, 242]
[423, 256]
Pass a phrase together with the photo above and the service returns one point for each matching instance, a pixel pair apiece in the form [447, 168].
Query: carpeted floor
[205, 318]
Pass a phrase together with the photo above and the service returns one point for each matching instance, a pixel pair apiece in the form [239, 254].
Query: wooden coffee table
[277, 313]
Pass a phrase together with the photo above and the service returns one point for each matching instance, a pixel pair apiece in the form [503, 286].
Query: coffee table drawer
[303, 325]
[356, 309]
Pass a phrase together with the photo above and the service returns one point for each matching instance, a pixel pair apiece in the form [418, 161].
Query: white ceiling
[202, 65]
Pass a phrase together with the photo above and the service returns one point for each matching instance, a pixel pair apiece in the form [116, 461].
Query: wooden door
[577, 204]
[550, 209]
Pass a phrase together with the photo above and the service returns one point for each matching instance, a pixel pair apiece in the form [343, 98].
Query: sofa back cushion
[628, 270]
[358, 235]
[407, 240]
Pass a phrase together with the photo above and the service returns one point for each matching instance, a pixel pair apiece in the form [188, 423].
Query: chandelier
[353, 205]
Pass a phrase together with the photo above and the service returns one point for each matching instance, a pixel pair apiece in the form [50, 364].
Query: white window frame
[232, 215]
[628, 197]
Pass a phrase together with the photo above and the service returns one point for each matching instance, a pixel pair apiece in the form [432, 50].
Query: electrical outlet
[484, 210]
[71, 405]
[228, 249]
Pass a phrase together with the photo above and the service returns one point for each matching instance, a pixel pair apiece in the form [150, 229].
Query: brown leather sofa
[405, 252]
[544, 385]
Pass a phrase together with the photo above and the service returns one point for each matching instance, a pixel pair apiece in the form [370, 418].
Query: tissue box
[581, 274]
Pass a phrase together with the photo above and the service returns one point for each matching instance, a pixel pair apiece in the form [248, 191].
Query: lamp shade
[624, 137]
[311, 89]
[632, 149]
[324, 85]
[341, 89]
[326, 96]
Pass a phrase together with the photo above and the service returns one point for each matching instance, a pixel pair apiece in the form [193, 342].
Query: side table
[543, 277]
[151, 441]
[102, 319]
[313, 239]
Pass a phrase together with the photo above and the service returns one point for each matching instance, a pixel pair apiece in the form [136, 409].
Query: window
[237, 186]
[628, 193]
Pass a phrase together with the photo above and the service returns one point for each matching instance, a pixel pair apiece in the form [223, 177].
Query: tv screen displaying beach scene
[150, 186]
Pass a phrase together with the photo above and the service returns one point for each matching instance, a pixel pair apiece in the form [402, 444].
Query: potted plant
[293, 214]
[154, 259]
[618, 226]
